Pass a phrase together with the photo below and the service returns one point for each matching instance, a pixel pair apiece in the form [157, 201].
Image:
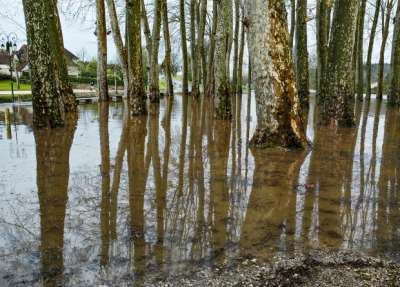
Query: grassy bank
[5, 85]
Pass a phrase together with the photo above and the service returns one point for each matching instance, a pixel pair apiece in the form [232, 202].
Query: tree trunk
[355, 56]
[292, 23]
[155, 45]
[201, 48]
[322, 41]
[385, 34]
[211, 58]
[241, 54]
[167, 43]
[337, 96]
[137, 96]
[371, 46]
[394, 95]
[222, 98]
[147, 32]
[182, 26]
[278, 104]
[52, 95]
[193, 50]
[101, 32]
[360, 51]
[121, 51]
[302, 74]
[236, 47]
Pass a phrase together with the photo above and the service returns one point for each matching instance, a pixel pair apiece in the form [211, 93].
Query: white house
[21, 62]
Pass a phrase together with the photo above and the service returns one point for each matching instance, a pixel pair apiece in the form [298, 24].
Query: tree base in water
[222, 103]
[264, 138]
[154, 96]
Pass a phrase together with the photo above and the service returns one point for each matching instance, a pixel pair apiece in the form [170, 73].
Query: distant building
[22, 62]
[4, 64]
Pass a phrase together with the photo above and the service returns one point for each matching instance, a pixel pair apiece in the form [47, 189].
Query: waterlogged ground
[109, 200]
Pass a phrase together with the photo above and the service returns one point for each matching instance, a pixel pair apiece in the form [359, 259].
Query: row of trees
[281, 82]
[340, 49]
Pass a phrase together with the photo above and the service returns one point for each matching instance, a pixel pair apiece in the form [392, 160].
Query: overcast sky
[78, 34]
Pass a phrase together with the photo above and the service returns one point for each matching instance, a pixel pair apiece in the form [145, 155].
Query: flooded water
[111, 200]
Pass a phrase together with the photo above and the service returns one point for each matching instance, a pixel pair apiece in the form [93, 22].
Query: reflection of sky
[19, 209]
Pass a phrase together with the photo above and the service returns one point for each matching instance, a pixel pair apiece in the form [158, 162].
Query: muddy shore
[317, 268]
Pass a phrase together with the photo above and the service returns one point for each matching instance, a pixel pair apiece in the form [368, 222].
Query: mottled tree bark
[278, 104]
[210, 72]
[167, 43]
[193, 50]
[155, 45]
[101, 32]
[201, 47]
[385, 33]
[371, 46]
[185, 64]
[52, 95]
[322, 41]
[337, 97]
[137, 96]
[292, 23]
[121, 50]
[222, 97]
[360, 50]
[236, 46]
[394, 95]
[302, 74]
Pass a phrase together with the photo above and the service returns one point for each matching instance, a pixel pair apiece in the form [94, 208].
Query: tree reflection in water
[190, 194]
[52, 157]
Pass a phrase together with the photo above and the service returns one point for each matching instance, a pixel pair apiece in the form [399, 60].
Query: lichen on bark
[394, 95]
[52, 95]
[337, 95]
[222, 97]
[302, 70]
[137, 96]
[279, 114]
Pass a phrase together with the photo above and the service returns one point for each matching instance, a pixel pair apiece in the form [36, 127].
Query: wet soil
[317, 268]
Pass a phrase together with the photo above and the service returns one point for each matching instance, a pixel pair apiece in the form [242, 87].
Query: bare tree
[101, 33]
[386, 16]
[167, 43]
[371, 46]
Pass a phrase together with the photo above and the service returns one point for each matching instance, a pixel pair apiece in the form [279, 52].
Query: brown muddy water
[114, 201]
